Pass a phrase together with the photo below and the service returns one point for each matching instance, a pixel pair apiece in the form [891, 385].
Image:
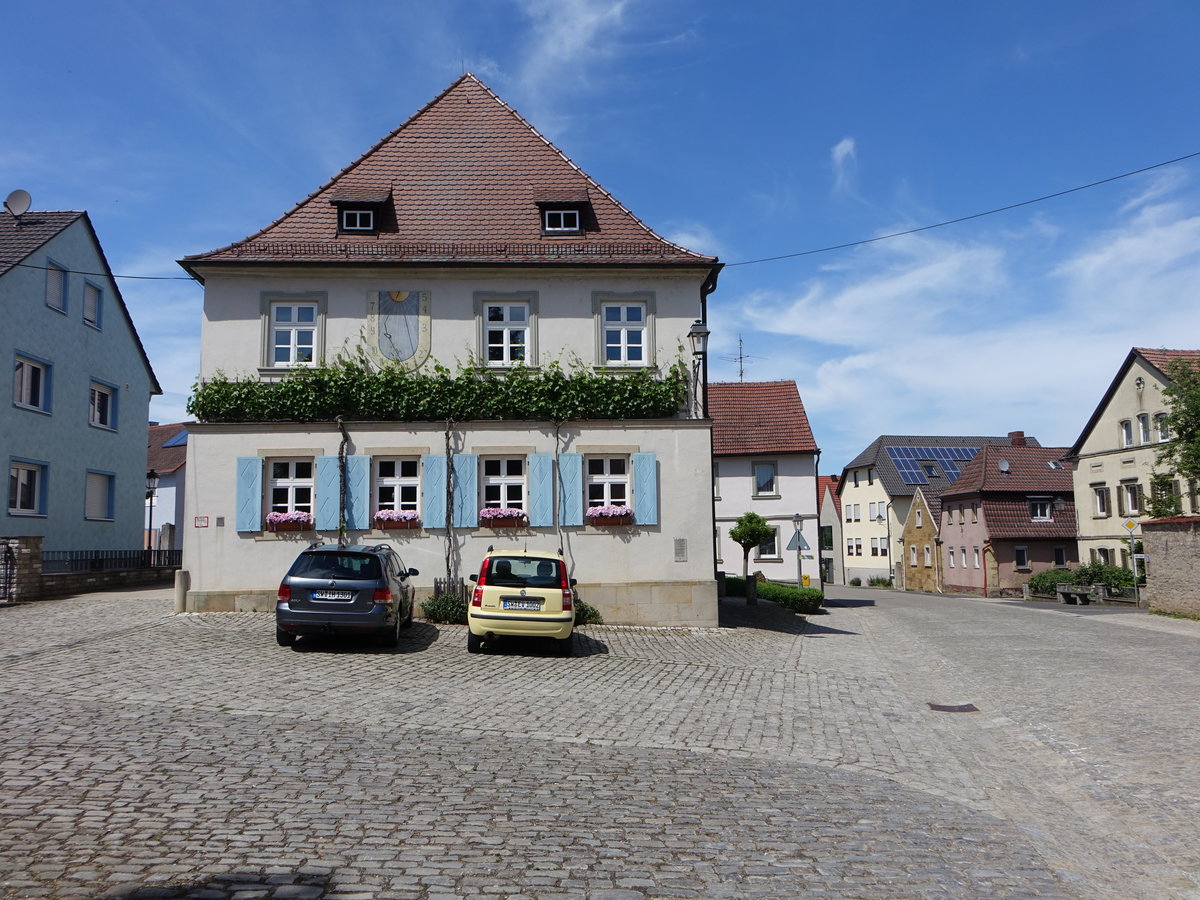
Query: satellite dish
[17, 202]
[1004, 465]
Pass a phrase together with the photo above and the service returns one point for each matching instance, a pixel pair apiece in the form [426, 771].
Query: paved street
[149, 755]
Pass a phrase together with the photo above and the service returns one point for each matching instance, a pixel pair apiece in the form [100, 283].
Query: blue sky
[748, 130]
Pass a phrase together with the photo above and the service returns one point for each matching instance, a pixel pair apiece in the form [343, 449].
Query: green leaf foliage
[1182, 452]
[806, 601]
[750, 530]
[357, 390]
[586, 614]
[448, 609]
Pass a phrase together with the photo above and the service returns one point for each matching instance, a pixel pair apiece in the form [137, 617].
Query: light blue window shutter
[433, 491]
[540, 478]
[328, 492]
[249, 493]
[570, 488]
[466, 493]
[358, 492]
[645, 489]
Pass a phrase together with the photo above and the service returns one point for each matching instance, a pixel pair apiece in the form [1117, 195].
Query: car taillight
[383, 597]
[568, 600]
[480, 582]
[285, 593]
[477, 597]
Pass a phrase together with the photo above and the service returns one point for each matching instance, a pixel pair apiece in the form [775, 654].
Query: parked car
[521, 592]
[345, 590]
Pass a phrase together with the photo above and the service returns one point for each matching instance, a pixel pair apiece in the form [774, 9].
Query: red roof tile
[752, 417]
[1161, 358]
[829, 482]
[1008, 518]
[165, 460]
[1019, 469]
[465, 175]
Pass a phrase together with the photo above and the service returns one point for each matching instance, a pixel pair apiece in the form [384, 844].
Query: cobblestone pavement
[148, 755]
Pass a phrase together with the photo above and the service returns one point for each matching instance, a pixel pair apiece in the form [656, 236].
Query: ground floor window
[607, 481]
[1021, 557]
[98, 497]
[397, 483]
[291, 485]
[504, 482]
[1060, 557]
[769, 549]
[27, 488]
[950, 557]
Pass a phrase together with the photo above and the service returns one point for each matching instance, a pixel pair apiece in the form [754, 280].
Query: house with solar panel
[467, 250]
[765, 461]
[166, 457]
[876, 493]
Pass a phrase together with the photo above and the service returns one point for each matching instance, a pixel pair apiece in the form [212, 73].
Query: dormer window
[559, 221]
[358, 220]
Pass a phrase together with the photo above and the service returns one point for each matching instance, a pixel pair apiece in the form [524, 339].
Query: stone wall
[1173, 565]
[31, 585]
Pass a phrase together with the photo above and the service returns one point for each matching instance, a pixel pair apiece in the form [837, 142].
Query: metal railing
[57, 562]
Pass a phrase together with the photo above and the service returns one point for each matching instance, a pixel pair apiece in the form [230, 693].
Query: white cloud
[845, 165]
[695, 236]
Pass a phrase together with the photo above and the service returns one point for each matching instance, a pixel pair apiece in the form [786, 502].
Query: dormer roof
[463, 181]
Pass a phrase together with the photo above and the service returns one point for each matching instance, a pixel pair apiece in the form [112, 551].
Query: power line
[990, 212]
[106, 274]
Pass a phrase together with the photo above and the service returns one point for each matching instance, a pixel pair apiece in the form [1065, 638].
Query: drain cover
[965, 707]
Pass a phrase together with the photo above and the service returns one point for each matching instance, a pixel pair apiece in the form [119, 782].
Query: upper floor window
[1144, 428]
[358, 220]
[1162, 428]
[98, 496]
[102, 405]
[293, 334]
[974, 512]
[56, 287]
[607, 481]
[560, 221]
[27, 488]
[506, 333]
[504, 482]
[1126, 433]
[1130, 498]
[1040, 509]
[291, 485]
[397, 483]
[825, 536]
[928, 556]
[920, 523]
[624, 334]
[31, 383]
[765, 480]
[1103, 505]
[92, 300]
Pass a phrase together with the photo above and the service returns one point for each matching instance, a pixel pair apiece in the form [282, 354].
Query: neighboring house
[166, 457]
[463, 238]
[1010, 516]
[919, 565]
[764, 461]
[876, 491]
[74, 427]
[829, 509]
[1115, 456]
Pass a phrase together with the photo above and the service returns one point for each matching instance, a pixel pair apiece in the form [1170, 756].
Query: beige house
[464, 238]
[1115, 456]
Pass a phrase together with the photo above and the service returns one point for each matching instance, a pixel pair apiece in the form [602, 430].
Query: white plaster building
[462, 238]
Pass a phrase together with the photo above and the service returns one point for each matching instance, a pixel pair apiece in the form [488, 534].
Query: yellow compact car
[521, 592]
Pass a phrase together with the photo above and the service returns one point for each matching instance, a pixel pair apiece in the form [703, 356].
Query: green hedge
[806, 601]
[1114, 577]
[448, 609]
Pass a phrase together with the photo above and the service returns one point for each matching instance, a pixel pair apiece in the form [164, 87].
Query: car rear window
[524, 571]
[353, 566]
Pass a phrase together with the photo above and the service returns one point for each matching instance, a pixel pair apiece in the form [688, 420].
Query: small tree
[750, 530]
[1182, 452]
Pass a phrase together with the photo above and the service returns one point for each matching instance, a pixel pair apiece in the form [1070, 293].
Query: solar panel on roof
[906, 460]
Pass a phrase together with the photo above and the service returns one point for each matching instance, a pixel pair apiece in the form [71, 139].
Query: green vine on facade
[360, 391]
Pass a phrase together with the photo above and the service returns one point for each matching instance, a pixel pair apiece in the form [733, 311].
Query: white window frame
[913, 555]
[511, 338]
[928, 557]
[950, 556]
[499, 486]
[1041, 509]
[1162, 428]
[1126, 427]
[298, 490]
[1131, 493]
[773, 489]
[771, 546]
[1101, 501]
[1143, 421]
[98, 496]
[623, 334]
[358, 220]
[25, 385]
[56, 286]
[294, 327]
[607, 481]
[883, 546]
[858, 545]
[561, 221]
[102, 414]
[93, 304]
[26, 477]
[875, 546]
[975, 556]
[401, 487]
[919, 519]
[605, 301]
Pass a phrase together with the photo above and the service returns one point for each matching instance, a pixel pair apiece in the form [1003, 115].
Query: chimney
[1017, 438]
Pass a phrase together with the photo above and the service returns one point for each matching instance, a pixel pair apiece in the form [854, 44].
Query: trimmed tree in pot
[750, 530]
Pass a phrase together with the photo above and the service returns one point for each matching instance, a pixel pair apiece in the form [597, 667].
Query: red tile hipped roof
[1018, 469]
[755, 417]
[165, 460]
[460, 181]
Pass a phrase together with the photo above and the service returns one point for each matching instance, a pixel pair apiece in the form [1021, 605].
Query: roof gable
[756, 417]
[899, 460]
[1014, 469]
[462, 180]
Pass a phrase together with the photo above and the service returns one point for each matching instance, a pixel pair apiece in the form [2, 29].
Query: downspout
[985, 549]
[820, 558]
[709, 285]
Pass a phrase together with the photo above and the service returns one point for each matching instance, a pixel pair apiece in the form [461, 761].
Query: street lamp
[698, 338]
[797, 519]
[881, 519]
[151, 488]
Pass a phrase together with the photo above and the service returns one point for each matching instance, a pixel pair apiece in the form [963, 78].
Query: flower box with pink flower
[502, 517]
[609, 515]
[397, 519]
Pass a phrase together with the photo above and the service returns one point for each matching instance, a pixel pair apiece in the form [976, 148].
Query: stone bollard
[182, 580]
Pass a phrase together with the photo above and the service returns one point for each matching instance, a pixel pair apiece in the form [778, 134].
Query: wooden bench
[1081, 594]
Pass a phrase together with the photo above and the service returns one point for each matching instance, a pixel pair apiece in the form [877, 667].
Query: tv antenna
[740, 359]
[17, 203]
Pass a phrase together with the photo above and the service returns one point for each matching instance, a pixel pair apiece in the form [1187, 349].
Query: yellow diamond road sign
[1129, 525]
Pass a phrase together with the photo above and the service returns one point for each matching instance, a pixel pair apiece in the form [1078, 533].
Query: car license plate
[333, 595]
[522, 604]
